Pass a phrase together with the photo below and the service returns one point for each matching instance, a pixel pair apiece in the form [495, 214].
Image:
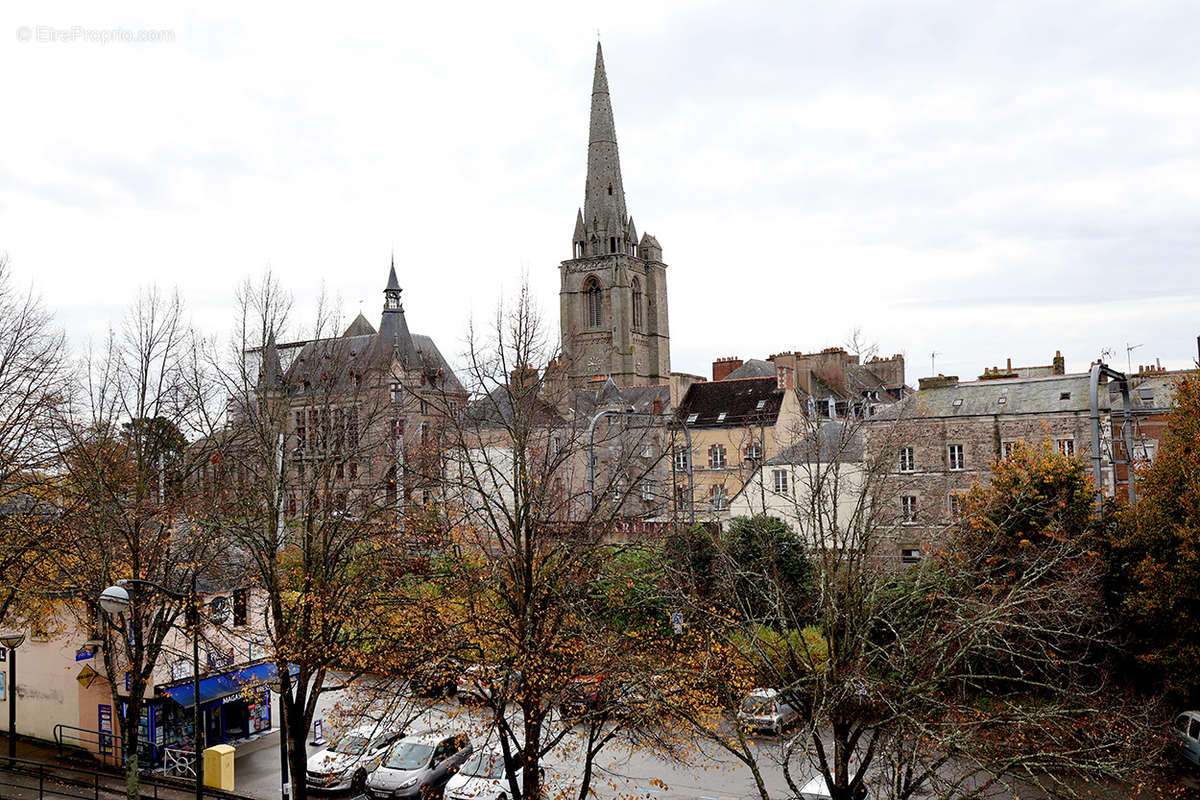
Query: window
[682, 460]
[908, 508]
[753, 451]
[779, 480]
[1006, 449]
[907, 462]
[301, 431]
[955, 455]
[759, 405]
[612, 244]
[240, 607]
[647, 489]
[397, 392]
[692, 418]
[595, 303]
[637, 303]
[716, 456]
[954, 505]
[681, 497]
[721, 417]
[716, 498]
[618, 491]
[910, 555]
[1064, 395]
[353, 470]
[1066, 447]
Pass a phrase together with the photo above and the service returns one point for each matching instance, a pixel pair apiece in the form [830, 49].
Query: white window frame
[954, 505]
[956, 457]
[908, 459]
[1066, 446]
[717, 456]
[908, 508]
[683, 458]
[779, 481]
[717, 498]
[910, 555]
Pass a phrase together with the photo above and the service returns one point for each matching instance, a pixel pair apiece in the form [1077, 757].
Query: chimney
[1060, 363]
[785, 379]
[656, 406]
[939, 382]
[723, 366]
[523, 377]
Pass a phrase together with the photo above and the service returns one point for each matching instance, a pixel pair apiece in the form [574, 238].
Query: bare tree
[539, 483]
[126, 461]
[33, 388]
[983, 666]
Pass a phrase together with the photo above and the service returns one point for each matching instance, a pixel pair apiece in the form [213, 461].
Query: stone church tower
[614, 289]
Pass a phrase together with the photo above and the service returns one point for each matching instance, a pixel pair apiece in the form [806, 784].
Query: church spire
[604, 193]
[393, 327]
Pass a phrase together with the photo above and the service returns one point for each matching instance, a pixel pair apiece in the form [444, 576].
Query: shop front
[234, 706]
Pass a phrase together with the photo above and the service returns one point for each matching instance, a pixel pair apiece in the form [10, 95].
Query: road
[621, 772]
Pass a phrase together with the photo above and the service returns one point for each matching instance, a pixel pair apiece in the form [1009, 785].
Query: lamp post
[12, 641]
[115, 601]
[276, 686]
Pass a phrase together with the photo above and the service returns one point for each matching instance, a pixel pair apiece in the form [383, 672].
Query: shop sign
[87, 676]
[84, 653]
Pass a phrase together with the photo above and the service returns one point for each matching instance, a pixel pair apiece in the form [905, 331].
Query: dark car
[435, 679]
[584, 694]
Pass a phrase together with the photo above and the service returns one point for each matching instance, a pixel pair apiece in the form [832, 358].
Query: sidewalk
[43, 775]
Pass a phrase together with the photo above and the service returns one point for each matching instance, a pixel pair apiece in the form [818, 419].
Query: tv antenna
[1129, 348]
[933, 363]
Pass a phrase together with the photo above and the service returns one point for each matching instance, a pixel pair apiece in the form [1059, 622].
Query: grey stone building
[614, 288]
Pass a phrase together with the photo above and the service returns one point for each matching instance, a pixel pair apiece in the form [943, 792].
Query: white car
[1187, 732]
[765, 710]
[482, 777]
[347, 761]
[817, 789]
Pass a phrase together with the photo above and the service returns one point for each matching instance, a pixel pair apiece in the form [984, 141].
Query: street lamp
[115, 601]
[12, 641]
[276, 686]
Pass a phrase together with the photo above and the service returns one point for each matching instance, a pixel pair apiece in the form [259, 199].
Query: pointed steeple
[393, 328]
[270, 375]
[604, 193]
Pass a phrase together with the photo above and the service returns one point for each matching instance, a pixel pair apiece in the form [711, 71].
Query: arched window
[637, 303]
[595, 302]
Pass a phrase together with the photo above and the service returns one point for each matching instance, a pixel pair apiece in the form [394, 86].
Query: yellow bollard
[218, 767]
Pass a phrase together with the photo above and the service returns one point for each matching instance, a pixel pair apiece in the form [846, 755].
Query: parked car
[1186, 728]
[419, 766]
[483, 777]
[817, 789]
[583, 694]
[486, 682]
[349, 758]
[435, 679]
[765, 710]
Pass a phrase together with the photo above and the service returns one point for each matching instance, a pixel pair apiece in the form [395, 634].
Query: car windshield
[409, 755]
[351, 745]
[484, 765]
[760, 706]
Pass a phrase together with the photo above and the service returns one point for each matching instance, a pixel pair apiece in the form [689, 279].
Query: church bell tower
[613, 294]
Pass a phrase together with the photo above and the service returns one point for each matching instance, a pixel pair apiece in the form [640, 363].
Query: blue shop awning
[246, 680]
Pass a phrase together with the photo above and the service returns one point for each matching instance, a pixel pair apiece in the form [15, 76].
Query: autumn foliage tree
[1157, 552]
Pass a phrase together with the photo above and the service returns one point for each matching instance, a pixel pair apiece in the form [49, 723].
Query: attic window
[957, 402]
[721, 417]
[692, 418]
[760, 405]
[1064, 395]
[1002, 401]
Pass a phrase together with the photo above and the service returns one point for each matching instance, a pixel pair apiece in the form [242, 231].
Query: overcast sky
[979, 180]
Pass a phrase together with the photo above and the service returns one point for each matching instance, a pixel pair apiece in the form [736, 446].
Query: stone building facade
[937, 444]
[613, 293]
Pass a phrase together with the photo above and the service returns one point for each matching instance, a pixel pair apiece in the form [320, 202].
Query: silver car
[1187, 733]
[766, 710]
[418, 766]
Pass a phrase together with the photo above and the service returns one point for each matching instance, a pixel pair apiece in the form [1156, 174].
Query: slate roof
[754, 368]
[496, 410]
[833, 441]
[639, 398]
[339, 358]
[1057, 393]
[743, 401]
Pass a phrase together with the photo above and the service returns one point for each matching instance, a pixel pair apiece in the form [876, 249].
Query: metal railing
[179, 763]
[26, 780]
[103, 748]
